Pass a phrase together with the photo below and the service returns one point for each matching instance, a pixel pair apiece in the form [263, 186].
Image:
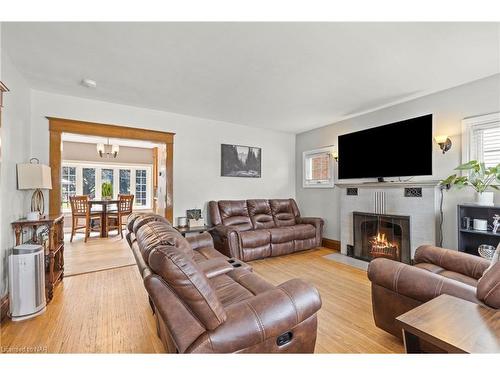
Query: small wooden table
[453, 325]
[54, 246]
[186, 230]
[104, 213]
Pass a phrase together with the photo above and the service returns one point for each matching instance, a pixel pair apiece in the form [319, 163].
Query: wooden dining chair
[80, 209]
[124, 208]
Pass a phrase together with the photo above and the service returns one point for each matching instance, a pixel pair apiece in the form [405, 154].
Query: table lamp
[34, 176]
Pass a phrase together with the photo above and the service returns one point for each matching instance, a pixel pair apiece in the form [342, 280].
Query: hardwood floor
[345, 321]
[99, 312]
[96, 254]
[108, 312]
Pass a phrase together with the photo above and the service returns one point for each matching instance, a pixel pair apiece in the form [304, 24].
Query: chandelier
[107, 150]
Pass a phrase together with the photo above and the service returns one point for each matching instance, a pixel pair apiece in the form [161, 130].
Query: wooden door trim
[57, 126]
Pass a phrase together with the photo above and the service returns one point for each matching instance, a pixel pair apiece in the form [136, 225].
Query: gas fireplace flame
[381, 246]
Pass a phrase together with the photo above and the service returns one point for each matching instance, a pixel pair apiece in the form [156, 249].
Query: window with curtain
[318, 168]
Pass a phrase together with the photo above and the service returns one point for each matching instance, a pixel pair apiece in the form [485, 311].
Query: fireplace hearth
[381, 235]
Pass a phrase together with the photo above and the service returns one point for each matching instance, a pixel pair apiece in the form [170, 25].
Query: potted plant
[479, 178]
[107, 190]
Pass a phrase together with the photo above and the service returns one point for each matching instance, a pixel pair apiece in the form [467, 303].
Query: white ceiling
[285, 76]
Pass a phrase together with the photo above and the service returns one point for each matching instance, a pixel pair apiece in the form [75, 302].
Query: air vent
[414, 192]
[352, 191]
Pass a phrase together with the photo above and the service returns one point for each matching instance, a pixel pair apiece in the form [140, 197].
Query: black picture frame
[241, 161]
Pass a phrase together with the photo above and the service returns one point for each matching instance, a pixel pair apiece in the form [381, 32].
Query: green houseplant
[107, 190]
[478, 177]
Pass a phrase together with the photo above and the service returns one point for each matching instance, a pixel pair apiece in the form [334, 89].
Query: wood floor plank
[108, 312]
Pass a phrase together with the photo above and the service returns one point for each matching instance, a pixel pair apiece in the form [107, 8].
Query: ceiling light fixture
[107, 150]
[90, 83]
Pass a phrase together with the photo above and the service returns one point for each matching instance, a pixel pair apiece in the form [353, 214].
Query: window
[87, 178]
[88, 182]
[481, 139]
[68, 185]
[140, 187]
[318, 168]
[124, 181]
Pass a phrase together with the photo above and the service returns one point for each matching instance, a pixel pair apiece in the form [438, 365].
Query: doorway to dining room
[102, 178]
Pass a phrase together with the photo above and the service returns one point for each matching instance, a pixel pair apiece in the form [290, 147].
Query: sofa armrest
[215, 267]
[227, 240]
[200, 241]
[452, 260]
[416, 283]
[488, 287]
[266, 315]
[317, 222]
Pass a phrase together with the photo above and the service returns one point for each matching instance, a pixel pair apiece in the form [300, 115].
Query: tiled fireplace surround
[390, 199]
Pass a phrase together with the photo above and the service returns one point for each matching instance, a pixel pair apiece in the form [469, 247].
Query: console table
[53, 243]
[453, 325]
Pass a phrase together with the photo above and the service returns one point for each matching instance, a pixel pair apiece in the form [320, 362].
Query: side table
[186, 230]
[53, 246]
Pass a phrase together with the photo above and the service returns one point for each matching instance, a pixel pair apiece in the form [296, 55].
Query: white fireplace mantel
[423, 211]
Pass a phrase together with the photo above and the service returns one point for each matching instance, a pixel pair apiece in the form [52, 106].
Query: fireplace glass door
[386, 236]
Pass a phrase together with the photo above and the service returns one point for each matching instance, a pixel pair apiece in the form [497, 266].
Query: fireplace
[381, 235]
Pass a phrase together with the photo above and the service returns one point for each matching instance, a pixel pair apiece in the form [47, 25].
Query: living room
[286, 198]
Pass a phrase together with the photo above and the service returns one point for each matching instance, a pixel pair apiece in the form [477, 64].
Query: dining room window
[68, 185]
[87, 178]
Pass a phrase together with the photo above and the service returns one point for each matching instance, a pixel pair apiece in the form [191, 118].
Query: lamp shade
[33, 176]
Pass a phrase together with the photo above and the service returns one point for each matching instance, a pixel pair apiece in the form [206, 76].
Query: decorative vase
[485, 198]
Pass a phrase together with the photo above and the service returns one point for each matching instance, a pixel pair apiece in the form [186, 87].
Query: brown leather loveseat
[398, 287]
[205, 302]
[260, 228]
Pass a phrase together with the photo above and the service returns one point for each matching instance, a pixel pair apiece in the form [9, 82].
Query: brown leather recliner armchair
[205, 302]
[398, 287]
[261, 228]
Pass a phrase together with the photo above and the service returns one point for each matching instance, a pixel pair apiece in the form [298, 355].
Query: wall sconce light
[444, 142]
[335, 156]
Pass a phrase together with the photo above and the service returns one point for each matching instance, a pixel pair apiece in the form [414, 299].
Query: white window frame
[469, 125]
[116, 179]
[316, 183]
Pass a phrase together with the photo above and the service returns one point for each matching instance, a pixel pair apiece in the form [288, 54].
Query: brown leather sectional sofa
[205, 302]
[260, 228]
[398, 287]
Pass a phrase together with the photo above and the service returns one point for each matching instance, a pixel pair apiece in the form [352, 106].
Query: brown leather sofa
[205, 302]
[260, 228]
[398, 287]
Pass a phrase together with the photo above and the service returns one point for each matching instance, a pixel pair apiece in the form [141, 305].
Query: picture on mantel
[240, 161]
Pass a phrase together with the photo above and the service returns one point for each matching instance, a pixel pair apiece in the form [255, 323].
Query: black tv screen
[403, 148]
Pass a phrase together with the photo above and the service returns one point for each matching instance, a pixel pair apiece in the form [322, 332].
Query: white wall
[449, 107]
[88, 152]
[15, 149]
[196, 149]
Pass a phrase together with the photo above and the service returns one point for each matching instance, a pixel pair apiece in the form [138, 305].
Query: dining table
[105, 204]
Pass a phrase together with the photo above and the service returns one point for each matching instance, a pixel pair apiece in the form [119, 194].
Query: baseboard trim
[331, 244]
[4, 307]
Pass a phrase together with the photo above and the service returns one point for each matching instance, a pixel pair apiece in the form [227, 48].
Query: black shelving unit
[470, 239]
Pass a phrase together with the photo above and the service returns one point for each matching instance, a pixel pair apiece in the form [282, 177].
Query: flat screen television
[403, 148]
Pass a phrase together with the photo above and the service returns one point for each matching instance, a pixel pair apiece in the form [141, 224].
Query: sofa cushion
[255, 238]
[303, 231]
[235, 213]
[260, 213]
[283, 213]
[281, 235]
[449, 274]
[184, 276]
[228, 290]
